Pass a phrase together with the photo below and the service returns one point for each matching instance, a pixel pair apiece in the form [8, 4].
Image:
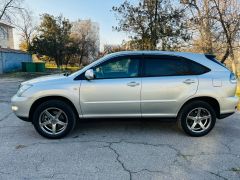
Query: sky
[97, 10]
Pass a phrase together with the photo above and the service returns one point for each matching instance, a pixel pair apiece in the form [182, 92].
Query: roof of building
[6, 24]
[8, 50]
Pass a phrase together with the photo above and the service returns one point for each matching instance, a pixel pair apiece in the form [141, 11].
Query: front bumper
[21, 106]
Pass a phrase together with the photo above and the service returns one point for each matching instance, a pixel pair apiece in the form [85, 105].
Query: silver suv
[194, 89]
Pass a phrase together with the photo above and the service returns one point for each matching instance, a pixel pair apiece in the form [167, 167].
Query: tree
[228, 17]
[53, 38]
[85, 37]
[152, 24]
[26, 27]
[218, 22]
[9, 9]
[200, 21]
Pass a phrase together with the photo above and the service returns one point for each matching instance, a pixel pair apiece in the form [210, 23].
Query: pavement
[115, 149]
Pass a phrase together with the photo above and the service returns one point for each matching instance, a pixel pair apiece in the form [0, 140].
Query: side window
[124, 67]
[172, 66]
[197, 69]
[165, 67]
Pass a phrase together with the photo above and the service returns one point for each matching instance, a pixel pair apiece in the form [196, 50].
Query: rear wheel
[197, 118]
[54, 119]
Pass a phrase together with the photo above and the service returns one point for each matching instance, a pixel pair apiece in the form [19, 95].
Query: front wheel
[54, 119]
[197, 118]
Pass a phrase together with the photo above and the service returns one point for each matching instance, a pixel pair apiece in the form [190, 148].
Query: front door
[115, 90]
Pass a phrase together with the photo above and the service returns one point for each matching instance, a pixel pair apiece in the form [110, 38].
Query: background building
[10, 59]
[6, 36]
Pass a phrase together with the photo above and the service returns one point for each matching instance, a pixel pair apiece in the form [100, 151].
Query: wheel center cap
[54, 121]
[198, 119]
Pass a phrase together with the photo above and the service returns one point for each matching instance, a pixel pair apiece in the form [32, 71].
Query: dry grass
[238, 94]
[54, 67]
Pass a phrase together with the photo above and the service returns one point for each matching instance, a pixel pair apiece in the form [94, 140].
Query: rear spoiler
[212, 58]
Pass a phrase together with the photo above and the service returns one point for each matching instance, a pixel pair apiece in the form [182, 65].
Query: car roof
[156, 52]
[197, 57]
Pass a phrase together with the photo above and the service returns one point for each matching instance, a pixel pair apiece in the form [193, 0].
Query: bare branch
[9, 9]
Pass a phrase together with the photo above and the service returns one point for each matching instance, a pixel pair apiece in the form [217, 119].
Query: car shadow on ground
[127, 126]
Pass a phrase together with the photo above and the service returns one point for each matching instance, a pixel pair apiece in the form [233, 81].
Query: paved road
[115, 149]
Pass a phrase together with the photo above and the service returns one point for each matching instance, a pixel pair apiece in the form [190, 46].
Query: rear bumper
[228, 105]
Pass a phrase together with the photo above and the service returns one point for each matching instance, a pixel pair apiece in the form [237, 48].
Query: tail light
[233, 78]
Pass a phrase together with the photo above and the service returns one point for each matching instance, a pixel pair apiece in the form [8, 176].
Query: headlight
[23, 88]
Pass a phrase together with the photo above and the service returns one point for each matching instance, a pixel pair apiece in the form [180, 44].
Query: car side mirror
[89, 74]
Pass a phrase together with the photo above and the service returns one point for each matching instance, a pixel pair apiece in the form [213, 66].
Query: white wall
[3, 37]
[6, 36]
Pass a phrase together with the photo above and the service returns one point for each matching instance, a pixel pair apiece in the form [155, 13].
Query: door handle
[189, 81]
[133, 84]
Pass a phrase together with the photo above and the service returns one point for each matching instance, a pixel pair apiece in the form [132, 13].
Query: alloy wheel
[198, 120]
[53, 121]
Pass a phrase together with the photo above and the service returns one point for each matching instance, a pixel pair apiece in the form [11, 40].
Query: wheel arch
[210, 100]
[47, 98]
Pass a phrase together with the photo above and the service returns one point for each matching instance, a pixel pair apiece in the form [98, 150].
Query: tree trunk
[234, 69]
[155, 25]
[80, 60]
[225, 55]
[234, 62]
[207, 29]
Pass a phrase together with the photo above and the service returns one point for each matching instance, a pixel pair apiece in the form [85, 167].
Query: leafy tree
[53, 38]
[152, 24]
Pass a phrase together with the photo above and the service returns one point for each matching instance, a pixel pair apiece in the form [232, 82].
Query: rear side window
[195, 68]
[171, 66]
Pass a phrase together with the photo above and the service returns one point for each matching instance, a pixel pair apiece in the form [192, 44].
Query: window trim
[139, 57]
[142, 59]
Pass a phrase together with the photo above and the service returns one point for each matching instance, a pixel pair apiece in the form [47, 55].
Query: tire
[54, 119]
[197, 118]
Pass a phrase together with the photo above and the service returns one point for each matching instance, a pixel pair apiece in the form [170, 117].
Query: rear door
[167, 82]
